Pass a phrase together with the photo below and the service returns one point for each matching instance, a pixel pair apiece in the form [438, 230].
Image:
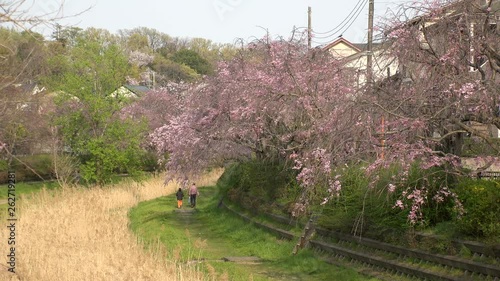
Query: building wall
[382, 66]
[342, 50]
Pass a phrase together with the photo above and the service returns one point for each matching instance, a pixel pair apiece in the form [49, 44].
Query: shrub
[369, 208]
[258, 183]
[150, 162]
[41, 164]
[481, 205]
[362, 209]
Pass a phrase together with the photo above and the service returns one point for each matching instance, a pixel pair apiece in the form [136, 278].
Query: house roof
[137, 89]
[130, 91]
[359, 48]
[364, 46]
[341, 40]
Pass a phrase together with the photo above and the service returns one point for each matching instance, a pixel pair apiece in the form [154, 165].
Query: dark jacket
[179, 195]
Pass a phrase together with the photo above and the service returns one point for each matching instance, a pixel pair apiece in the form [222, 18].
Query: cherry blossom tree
[275, 100]
[446, 92]
[448, 59]
[159, 106]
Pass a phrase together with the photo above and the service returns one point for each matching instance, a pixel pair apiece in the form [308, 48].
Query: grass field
[84, 234]
[27, 188]
[209, 234]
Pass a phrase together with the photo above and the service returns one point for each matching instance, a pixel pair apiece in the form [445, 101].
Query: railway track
[381, 260]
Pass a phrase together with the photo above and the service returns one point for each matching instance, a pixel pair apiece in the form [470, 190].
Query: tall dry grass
[83, 234]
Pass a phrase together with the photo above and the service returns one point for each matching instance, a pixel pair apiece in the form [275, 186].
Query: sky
[224, 21]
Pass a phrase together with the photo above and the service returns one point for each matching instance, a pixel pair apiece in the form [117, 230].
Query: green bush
[481, 204]
[434, 180]
[41, 164]
[149, 162]
[369, 209]
[341, 212]
[256, 184]
[364, 209]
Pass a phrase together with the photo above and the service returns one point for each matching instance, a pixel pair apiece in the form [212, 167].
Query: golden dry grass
[83, 234]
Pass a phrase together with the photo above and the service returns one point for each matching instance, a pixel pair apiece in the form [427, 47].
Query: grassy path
[203, 237]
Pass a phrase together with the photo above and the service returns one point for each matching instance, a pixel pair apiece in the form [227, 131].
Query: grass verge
[27, 188]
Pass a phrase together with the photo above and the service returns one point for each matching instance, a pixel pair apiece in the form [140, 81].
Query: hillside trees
[23, 102]
[172, 59]
[66, 36]
[193, 60]
[66, 66]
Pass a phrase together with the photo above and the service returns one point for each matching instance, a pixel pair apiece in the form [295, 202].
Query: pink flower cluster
[417, 198]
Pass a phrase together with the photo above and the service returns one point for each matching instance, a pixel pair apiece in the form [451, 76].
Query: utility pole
[369, 49]
[309, 28]
[369, 71]
[154, 80]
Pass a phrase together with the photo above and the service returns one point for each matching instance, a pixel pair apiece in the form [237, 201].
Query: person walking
[180, 196]
[193, 192]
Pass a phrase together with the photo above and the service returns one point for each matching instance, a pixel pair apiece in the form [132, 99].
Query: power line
[349, 26]
[335, 28]
[349, 23]
[309, 29]
[349, 20]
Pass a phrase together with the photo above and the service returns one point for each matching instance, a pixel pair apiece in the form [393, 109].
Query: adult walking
[193, 192]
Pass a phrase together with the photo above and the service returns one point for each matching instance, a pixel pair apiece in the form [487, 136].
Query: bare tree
[23, 55]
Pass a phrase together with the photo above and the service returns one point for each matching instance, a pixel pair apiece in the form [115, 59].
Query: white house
[354, 56]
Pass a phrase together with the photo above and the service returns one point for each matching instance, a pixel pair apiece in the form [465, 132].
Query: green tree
[172, 71]
[65, 35]
[144, 38]
[212, 52]
[89, 117]
[193, 60]
[138, 42]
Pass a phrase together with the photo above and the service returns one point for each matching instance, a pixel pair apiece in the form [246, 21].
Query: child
[180, 196]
